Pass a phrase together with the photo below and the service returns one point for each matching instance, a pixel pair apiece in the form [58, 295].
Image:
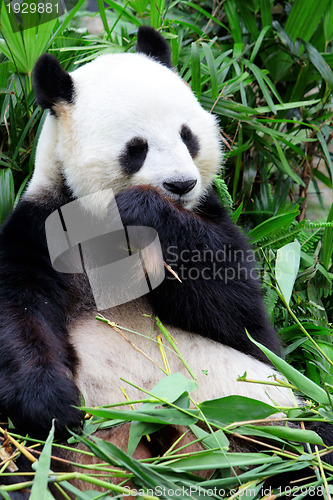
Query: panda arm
[219, 295]
[36, 359]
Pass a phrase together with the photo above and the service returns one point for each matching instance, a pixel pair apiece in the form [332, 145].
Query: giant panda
[126, 128]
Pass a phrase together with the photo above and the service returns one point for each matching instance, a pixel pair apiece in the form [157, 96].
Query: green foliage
[175, 474]
[39, 488]
[264, 68]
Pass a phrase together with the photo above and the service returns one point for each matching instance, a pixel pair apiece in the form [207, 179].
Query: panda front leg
[219, 296]
[36, 359]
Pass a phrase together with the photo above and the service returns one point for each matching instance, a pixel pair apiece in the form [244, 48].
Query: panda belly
[106, 357]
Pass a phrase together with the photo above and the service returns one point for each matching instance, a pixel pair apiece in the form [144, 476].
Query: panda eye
[190, 140]
[134, 154]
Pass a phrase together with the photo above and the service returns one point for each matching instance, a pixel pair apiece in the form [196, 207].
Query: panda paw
[39, 402]
[143, 205]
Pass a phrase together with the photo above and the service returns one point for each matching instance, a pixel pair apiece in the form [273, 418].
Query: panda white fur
[126, 122]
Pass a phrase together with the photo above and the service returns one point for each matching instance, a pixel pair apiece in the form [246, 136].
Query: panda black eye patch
[133, 156]
[190, 140]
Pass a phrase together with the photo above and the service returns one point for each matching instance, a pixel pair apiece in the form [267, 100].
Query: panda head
[124, 120]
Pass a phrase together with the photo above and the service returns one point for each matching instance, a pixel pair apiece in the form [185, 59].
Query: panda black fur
[129, 123]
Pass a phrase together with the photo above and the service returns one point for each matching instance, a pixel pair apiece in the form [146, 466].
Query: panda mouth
[180, 200]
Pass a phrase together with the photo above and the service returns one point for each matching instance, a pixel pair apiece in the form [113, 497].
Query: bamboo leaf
[266, 14]
[235, 216]
[230, 10]
[211, 439]
[235, 409]
[212, 69]
[216, 459]
[153, 416]
[326, 152]
[248, 18]
[147, 475]
[284, 166]
[195, 70]
[258, 43]
[304, 18]
[7, 193]
[304, 384]
[12, 45]
[39, 490]
[122, 11]
[239, 74]
[272, 225]
[156, 11]
[327, 249]
[286, 267]
[101, 9]
[261, 82]
[319, 63]
[328, 23]
[205, 13]
[284, 433]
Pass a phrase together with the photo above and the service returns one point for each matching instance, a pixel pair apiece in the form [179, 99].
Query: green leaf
[211, 439]
[195, 70]
[272, 225]
[170, 389]
[266, 14]
[248, 18]
[286, 267]
[219, 460]
[147, 475]
[240, 148]
[223, 192]
[238, 165]
[4, 494]
[285, 433]
[154, 416]
[230, 10]
[212, 69]
[139, 5]
[235, 409]
[304, 384]
[156, 10]
[304, 18]
[7, 193]
[261, 82]
[284, 165]
[328, 23]
[66, 20]
[319, 63]
[239, 72]
[309, 261]
[122, 11]
[12, 45]
[101, 9]
[325, 150]
[258, 43]
[327, 249]
[39, 490]
[205, 13]
[235, 216]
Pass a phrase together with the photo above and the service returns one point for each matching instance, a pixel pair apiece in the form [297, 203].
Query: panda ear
[151, 43]
[51, 82]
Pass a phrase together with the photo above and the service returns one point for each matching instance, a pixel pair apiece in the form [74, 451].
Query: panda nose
[180, 187]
